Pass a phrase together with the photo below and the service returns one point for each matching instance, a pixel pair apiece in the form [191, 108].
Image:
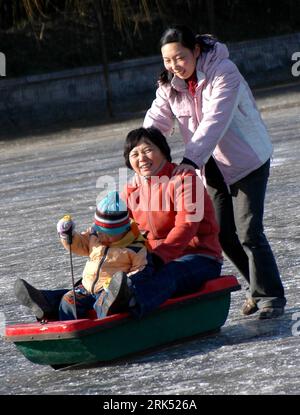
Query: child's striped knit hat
[111, 215]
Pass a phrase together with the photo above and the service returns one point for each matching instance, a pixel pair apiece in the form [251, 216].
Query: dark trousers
[239, 212]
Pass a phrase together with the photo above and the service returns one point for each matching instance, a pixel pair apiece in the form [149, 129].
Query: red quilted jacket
[175, 213]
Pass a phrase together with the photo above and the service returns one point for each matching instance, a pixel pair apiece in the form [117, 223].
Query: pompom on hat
[111, 215]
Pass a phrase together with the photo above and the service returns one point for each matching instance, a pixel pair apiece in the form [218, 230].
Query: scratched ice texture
[46, 176]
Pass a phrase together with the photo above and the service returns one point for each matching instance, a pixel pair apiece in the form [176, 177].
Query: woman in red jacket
[176, 215]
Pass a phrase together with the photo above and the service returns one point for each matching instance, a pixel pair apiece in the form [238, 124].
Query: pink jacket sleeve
[160, 114]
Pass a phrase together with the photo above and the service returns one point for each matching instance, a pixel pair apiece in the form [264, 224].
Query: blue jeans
[179, 277]
[62, 302]
[85, 301]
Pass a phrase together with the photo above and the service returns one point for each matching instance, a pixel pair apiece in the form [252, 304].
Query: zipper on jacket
[150, 222]
[198, 103]
[99, 268]
[196, 109]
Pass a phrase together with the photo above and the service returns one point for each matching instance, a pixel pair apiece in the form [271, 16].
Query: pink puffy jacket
[220, 120]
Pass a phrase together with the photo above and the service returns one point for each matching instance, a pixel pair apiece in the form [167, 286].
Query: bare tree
[211, 15]
[124, 12]
[103, 46]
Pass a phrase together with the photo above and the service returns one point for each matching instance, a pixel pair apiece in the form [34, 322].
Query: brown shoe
[270, 312]
[118, 295]
[249, 307]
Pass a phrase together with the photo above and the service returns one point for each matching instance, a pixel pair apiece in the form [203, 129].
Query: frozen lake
[44, 177]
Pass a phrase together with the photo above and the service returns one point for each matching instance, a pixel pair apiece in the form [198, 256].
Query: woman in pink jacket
[224, 137]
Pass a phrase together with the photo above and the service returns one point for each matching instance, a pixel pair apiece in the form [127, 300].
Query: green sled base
[85, 341]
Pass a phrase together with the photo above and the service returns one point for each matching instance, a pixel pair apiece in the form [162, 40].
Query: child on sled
[114, 243]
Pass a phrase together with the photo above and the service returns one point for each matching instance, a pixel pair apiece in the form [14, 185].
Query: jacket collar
[209, 61]
[166, 170]
[132, 235]
[180, 84]
[206, 64]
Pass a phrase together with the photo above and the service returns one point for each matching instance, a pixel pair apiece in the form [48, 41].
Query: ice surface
[44, 177]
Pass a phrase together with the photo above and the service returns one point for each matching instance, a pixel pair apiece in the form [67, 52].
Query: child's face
[106, 239]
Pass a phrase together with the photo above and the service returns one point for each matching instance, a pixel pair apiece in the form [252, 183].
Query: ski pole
[70, 240]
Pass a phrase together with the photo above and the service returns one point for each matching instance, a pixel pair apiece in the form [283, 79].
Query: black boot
[270, 312]
[32, 298]
[117, 296]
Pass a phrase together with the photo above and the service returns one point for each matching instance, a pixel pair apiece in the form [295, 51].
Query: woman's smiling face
[146, 159]
[179, 60]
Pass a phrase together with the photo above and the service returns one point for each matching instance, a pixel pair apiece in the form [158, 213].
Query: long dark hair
[186, 37]
[153, 135]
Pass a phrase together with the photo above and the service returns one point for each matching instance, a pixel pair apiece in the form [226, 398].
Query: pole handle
[68, 218]
[69, 236]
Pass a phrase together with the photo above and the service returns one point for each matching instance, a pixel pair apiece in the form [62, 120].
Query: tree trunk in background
[211, 15]
[99, 14]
